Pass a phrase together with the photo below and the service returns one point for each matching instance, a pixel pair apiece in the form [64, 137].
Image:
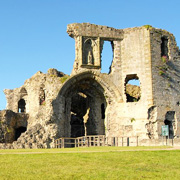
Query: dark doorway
[21, 106]
[169, 120]
[19, 131]
[77, 126]
[102, 111]
[78, 110]
[85, 106]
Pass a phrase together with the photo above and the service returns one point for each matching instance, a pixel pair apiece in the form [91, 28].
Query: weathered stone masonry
[53, 105]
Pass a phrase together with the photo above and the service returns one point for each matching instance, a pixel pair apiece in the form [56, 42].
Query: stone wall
[89, 102]
[131, 59]
[165, 79]
[37, 93]
[134, 63]
[10, 125]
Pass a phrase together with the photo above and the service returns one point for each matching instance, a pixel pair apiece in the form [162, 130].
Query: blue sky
[33, 32]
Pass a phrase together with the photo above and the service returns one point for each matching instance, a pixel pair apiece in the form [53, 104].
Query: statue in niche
[88, 57]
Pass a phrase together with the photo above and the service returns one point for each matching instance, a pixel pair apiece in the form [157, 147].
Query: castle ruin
[88, 102]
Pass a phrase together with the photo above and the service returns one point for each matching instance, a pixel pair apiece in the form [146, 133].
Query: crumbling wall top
[92, 30]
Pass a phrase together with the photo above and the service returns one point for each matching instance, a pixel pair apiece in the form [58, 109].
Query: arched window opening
[164, 47]
[19, 131]
[132, 88]
[102, 111]
[42, 96]
[170, 121]
[107, 57]
[21, 106]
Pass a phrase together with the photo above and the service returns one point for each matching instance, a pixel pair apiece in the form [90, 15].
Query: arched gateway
[83, 102]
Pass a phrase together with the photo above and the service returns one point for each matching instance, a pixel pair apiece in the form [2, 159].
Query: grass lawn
[90, 163]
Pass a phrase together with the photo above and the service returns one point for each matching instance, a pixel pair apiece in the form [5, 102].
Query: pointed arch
[84, 95]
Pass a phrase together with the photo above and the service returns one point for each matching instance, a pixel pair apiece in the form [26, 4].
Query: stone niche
[89, 40]
[90, 52]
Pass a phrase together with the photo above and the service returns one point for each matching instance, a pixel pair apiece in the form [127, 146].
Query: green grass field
[90, 163]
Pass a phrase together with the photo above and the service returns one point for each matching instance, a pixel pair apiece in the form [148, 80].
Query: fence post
[117, 141]
[86, 141]
[98, 141]
[107, 141]
[103, 141]
[58, 143]
[62, 143]
[55, 143]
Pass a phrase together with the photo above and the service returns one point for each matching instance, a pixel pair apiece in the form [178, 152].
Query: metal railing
[98, 140]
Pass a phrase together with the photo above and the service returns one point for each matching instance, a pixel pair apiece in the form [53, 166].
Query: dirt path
[91, 151]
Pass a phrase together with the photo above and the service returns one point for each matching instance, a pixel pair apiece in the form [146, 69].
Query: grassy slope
[109, 164]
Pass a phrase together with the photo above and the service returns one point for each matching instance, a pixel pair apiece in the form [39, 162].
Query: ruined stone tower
[53, 105]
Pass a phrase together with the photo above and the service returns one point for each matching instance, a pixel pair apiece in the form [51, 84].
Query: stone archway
[83, 105]
[83, 95]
